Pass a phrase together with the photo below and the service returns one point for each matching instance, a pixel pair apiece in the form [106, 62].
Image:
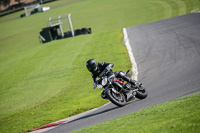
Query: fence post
[70, 22]
[50, 21]
[61, 28]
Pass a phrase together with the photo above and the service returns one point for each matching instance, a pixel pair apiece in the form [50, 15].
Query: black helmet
[91, 65]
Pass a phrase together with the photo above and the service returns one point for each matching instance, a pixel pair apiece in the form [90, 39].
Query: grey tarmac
[167, 53]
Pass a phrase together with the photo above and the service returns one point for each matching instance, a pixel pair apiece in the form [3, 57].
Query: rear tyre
[116, 98]
[141, 93]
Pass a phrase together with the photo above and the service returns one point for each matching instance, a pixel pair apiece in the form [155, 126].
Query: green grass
[60, 85]
[179, 116]
[42, 83]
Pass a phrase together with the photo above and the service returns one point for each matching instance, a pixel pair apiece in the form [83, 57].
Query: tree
[19, 1]
[0, 4]
[5, 3]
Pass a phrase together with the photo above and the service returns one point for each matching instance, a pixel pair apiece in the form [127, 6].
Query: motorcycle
[118, 91]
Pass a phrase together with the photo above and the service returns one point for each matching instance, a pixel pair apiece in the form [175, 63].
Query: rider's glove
[94, 85]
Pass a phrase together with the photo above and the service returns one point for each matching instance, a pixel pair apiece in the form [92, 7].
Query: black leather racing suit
[100, 68]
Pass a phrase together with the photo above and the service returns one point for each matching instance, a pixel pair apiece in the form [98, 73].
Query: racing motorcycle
[118, 91]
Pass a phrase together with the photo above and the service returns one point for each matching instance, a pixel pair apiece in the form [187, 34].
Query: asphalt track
[167, 53]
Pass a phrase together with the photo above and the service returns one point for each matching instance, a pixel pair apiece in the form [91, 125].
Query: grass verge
[179, 116]
[48, 93]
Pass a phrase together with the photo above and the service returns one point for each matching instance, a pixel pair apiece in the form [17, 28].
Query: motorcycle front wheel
[116, 98]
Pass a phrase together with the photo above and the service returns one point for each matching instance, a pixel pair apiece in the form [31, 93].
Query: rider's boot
[129, 80]
[134, 82]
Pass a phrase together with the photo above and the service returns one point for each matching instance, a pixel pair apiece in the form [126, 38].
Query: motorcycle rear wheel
[116, 98]
[141, 93]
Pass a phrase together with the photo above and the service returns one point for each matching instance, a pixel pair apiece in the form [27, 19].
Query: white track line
[134, 65]
[195, 10]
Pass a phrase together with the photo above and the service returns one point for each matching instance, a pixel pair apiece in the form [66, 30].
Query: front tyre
[116, 98]
[141, 93]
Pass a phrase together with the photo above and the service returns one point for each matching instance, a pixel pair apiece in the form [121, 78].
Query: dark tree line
[7, 3]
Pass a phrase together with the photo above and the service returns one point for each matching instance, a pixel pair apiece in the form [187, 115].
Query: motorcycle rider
[97, 68]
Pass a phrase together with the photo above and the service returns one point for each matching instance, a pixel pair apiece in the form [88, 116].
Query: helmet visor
[92, 67]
